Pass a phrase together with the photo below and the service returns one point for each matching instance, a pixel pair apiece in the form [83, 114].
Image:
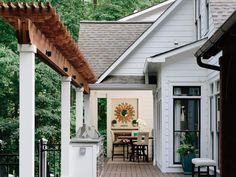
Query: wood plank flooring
[134, 169]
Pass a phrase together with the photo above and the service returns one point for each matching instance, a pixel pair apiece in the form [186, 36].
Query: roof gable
[140, 39]
[104, 42]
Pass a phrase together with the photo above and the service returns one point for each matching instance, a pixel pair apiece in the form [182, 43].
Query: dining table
[132, 139]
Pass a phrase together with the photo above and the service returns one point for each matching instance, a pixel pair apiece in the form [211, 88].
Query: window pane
[187, 91]
[186, 114]
[187, 138]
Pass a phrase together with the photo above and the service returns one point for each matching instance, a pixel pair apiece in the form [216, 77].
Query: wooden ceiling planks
[41, 25]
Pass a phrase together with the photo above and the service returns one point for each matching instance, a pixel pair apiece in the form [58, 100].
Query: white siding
[204, 31]
[178, 26]
[180, 70]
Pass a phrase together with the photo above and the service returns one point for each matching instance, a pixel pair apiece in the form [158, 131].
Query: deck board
[119, 168]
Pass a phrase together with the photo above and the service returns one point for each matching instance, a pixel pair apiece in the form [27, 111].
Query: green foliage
[9, 99]
[186, 144]
[111, 10]
[47, 115]
[70, 14]
[185, 149]
[47, 118]
[102, 121]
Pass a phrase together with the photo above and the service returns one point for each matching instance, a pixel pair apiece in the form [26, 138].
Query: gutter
[216, 37]
[207, 66]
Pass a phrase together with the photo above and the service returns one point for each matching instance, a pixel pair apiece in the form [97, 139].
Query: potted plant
[187, 152]
[134, 123]
[113, 122]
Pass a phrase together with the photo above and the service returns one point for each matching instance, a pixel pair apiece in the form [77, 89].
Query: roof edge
[139, 40]
[116, 22]
[149, 9]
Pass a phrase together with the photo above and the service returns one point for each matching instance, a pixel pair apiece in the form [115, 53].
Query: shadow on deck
[119, 168]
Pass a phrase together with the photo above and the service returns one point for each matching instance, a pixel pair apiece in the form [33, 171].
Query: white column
[65, 125]
[27, 109]
[79, 107]
[87, 113]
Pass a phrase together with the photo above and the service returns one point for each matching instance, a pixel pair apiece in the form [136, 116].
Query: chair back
[143, 137]
[112, 136]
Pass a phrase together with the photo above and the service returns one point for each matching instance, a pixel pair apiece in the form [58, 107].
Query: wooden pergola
[40, 31]
[41, 25]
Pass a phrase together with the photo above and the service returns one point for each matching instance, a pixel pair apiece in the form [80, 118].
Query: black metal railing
[49, 159]
[9, 164]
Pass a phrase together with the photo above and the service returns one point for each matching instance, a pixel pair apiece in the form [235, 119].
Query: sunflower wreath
[124, 112]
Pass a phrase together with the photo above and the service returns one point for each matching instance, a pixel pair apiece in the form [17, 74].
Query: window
[207, 16]
[215, 121]
[186, 118]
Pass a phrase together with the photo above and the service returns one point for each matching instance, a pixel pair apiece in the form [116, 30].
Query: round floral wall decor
[124, 112]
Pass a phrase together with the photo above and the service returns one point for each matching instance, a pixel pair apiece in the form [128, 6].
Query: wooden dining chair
[118, 143]
[140, 148]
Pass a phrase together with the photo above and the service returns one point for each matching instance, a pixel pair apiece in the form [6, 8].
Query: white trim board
[143, 12]
[139, 40]
[162, 57]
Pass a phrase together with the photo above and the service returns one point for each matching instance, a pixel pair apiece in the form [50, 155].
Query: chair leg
[198, 172]
[214, 171]
[193, 166]
[127, 151]
[112, 152]
[123, 152]
[147, 153]
[208, 171]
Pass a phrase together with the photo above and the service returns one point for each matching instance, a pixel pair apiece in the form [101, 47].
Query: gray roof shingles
[221, 10]
[103, 43]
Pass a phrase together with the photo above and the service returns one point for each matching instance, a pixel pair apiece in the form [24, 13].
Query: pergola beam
[28, 33]
[41, 26]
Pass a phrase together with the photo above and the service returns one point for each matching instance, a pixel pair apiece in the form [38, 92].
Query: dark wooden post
[228, 109]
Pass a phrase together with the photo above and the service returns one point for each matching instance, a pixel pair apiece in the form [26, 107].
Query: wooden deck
[118, 168]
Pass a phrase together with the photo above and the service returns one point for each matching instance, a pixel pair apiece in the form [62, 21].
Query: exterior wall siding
[178, 27]
[186, 75]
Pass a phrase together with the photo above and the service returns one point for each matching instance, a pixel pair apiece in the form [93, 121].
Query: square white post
[27, 109]
[79, 107]
[65, 125]
[87, 113]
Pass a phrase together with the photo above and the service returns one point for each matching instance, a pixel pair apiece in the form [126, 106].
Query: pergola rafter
[41, 25]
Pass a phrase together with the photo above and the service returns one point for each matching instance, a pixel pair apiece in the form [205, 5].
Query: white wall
[180, 70]
[178, 26]
[145, 107]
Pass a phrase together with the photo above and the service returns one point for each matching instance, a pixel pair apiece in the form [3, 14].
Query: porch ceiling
[41, 25]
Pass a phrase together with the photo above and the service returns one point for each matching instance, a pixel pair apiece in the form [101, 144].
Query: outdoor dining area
[132, 146]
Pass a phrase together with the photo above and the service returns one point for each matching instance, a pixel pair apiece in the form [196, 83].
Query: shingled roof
[221, 10]
[104, 42]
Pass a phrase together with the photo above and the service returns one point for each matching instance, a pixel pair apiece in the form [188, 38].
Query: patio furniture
[116, 142]
[140, 148]
[203, 162]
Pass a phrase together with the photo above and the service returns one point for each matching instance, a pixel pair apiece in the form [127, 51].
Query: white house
[154, 63]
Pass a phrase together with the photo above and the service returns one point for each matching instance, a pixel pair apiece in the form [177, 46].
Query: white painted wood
[140, 40]
[176, 27]
[150, 14]
[87, 113]
[83, 159]
[65, 125]
[27, 109]
[79, 107]
[178, 69]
